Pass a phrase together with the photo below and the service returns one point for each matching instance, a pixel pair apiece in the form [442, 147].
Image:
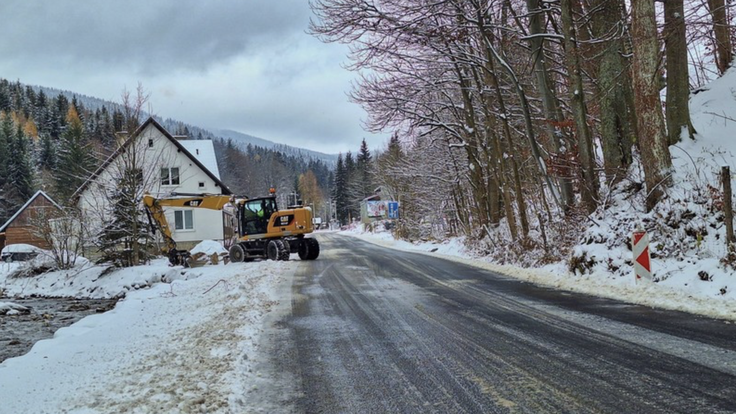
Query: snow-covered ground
[188, 345]
[87, 280]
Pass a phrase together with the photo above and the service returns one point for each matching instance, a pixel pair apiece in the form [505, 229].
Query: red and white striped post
[642, 262]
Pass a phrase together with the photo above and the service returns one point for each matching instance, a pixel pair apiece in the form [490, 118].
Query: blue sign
[393, 209]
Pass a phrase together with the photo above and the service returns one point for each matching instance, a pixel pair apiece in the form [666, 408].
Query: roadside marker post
[642, 261]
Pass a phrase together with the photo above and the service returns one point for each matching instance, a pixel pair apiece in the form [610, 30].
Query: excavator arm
[155, 208]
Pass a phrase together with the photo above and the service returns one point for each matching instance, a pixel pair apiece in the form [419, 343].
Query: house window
[184, 220]
[201, 184]
[170, 176]
[150, 143]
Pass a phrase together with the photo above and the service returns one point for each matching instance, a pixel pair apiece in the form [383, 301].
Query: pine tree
[47, 153]
[76, 161]
[6, 129]
[339, 191]
[394, 152]
[5, 102]
[20, 172]
[353, 209]
[60, 110]
[16, 173]
[125, 240]
[363, 183]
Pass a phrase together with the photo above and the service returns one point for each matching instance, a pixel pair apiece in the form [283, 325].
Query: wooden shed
[19, 228]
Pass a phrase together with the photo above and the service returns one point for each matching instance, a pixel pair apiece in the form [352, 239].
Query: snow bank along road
[191, 346]
[375, 330]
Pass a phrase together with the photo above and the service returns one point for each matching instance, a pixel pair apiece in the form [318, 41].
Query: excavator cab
[255, 215]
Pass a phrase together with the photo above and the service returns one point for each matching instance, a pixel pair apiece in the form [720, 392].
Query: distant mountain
[195, 132]
[242, 140]
[89, 102]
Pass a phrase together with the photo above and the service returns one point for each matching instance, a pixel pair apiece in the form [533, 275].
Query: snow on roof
[28, 203]
[204, 151]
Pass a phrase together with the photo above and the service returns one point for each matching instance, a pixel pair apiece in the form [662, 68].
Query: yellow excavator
[261, 230]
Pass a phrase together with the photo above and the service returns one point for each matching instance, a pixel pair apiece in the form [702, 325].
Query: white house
[167, 164]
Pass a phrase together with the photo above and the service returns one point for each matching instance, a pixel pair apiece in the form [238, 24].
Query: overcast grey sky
[245, 65]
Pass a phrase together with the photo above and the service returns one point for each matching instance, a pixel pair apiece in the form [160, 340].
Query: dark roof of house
[25, 206]
[374, 197]
[129, 141]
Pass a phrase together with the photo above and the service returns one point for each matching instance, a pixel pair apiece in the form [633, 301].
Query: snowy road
[375, 330]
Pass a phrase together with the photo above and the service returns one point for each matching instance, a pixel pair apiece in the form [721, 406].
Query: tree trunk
[616, 123]
[486, 141]
[505, 149]
[678, 79]
[589, 187]
[528, 124]
[476, 173]
[496, 152]
[655, 154]
[509, 155]
[549, 99]
[721, 29]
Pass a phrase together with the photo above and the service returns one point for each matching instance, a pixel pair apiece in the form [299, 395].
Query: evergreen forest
[54, 142]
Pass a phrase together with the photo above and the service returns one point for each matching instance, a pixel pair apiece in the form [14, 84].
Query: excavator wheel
[313, 249]
[237, 254]
[273, 249]
[309, 249]
[286, 252]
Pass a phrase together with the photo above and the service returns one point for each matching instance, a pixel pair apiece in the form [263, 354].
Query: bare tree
[651, 132]
[547, 92]
[723, 46]
[609, 29]
[589, 182]
[442, 71]
[114, 219]
[62, 232]
[678, 79]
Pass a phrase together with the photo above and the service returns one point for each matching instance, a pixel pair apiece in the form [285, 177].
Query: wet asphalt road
[372, 330]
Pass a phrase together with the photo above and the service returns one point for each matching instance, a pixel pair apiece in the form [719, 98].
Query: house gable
[165, 165]
[40, 199]
[145, 131]
[18, 229]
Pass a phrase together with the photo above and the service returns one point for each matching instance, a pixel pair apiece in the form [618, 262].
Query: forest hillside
[53, 140]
